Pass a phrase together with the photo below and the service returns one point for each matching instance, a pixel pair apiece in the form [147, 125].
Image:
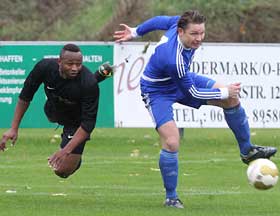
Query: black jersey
[70, 102]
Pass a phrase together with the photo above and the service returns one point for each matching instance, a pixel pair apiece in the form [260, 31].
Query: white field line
[131, 161]
[112, 186]
[115, 162]
[149, 161]
[127, 160]
[124, 192]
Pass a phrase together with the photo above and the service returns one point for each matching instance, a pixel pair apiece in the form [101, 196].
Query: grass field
[120, 176]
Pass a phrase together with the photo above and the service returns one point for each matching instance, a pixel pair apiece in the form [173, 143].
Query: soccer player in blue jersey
[167, 80]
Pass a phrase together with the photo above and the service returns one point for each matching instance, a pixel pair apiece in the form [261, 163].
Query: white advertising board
[256, 66]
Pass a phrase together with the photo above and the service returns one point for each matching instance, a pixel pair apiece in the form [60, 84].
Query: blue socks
[168, 164]
[237, 121]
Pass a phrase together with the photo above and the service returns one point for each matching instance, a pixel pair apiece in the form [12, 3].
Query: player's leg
[235, 117]
[168, 161]
[237, 121]
[74, 160]
[160, 109]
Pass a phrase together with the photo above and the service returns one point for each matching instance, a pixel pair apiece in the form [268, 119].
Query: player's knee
[62, 174]
[66, 173]
[172, 143]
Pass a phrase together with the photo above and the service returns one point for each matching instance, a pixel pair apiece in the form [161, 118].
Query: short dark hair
[69, 47]
[190, 16]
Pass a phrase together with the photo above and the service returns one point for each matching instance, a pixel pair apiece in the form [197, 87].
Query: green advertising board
[17, 60]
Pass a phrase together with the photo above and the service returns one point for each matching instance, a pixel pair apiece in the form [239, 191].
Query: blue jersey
[168, 67]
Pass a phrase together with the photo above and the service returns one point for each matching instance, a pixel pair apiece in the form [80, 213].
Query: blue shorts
[159, 104]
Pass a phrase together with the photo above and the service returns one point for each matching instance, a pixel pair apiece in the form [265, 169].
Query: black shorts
[67, 135]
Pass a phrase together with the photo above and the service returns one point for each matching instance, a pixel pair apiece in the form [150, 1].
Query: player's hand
[123, 35]
[234, 90]
[106, 70]
[11, 134]
[57, 159]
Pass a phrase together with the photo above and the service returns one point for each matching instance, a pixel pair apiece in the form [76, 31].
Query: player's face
[70, 64]
[193, 35]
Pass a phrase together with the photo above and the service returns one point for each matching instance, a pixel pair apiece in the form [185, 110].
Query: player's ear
[59, 61]
[180, 31]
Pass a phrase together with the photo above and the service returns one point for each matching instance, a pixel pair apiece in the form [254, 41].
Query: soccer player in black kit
[72, 101]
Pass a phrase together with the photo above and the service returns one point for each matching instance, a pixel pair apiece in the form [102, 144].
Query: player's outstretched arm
[126, 34]
[12, 133]
[155, 23]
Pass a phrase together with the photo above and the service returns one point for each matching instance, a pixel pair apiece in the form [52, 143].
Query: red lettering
[133, 74]
[138, 65]
[122, 67]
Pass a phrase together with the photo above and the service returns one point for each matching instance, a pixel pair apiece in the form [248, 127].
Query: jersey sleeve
[180, 75]
[156, 23]
[89, 104]
[33, 81]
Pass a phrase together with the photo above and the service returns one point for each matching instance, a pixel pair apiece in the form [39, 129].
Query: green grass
[120, 176]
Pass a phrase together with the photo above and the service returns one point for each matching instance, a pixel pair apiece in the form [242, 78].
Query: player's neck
[61, 74]
[180, 42]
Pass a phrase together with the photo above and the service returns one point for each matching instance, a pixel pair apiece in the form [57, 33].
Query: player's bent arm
[80, 136]
[186, 85]
[209, 93]
[183, 80]
[58, 158]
